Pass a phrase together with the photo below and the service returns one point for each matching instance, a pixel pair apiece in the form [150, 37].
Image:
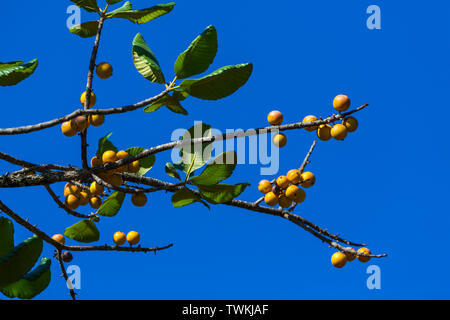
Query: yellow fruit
[310, 119]
[293, 192]
[271, 199]
[84, 198]
[72, 201]
[279, 140]
[119, 238]
[299, 196]
[341, 102]
[120, 156]
[307, 179]
[265, 186]
[97, 119]
[104, 70]
[67, 129]
[338, 259]
[324, 132]
[275, 118]
[80, 123]
[70, 188]
[284, 202]
[363, 251]
[339, 132]
[96, 162]
[293, 176]
[350, 123]
[109, 156]
[59, 238]
[139, 199]
[133, 237]
[95, 202]
[92, 101]
[350, 257]
[96, 188]
[115, 180]
[134, 167]
[282, 182]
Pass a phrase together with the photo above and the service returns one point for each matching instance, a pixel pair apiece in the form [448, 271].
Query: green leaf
[220, 169]
[171, 171]
[6, 236]
[145, 61]
[198, 56]
[112, 205]
[219, 84]
[170, 102]
[88, 5]
[145, 163]
[111, 2]
[143, 15]
[31, 284]
[84, 231]
[221, 193]
[85, 30]
[180, 95]
[104, 145]
[185, 197]
[20, 260]
[202, 151]
[11, 73]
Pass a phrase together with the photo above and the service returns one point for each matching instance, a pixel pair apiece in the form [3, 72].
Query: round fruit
[324, 132]
[92, 101]
[279, 140]
[66, 256]
[308, 179]
[284, 201]
[72, 201]
[339, 132]
[363, 251]
[300, 196]
[80, 123]
[109, 156]
[139, 199]
[133, 237]
[282, 182]
[95, 202]
[119, 238]
[310, 119]
[96, 188]
[97, 119]
[84, 198]
[120, 156]
[294, 193]
[70, 188]
[134, 167]
[265, 186]
[59, 238]
[104, 70]
[275, 118]
[293, 176]
[338, 259]
[67, 129]
[341, 102]
[350, 256]
[115, 180]
[271, 199]
[350, 123]
[96, 162]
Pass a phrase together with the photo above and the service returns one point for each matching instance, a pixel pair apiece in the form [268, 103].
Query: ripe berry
[350, 123]
[84, 198]
[265, 186]
[92, 101]
[293, 176]
[95, 202]
[133, 237]
[104, 70]
[341, 102]
[120, 156]
[96, 162]
[134, 167]
[339, 132]
[275, 118]
[350, 256]
[284, 201]
[109, 156]
[310, 119]
[67, 129]
[338, 259]
[271, 199]
[96, 188]
[72, 201]
[59, 238]
[139, 199]
[308, 179]
[119, 238]
[324, 132]
[279, 140]
[97, 119]
[66, 256]
[80, 123]
[363, 251]
[282, 182]
[295, 194]
[70, 188]
[300, 196]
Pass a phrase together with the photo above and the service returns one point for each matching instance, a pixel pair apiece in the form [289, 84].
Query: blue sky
[386, 185]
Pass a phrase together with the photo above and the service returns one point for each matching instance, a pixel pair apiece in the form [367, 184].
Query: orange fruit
[92, 101]
[324, 132]
[338, 259]
[96, 188]
[293, 176]
[67, 129]
[70, 188]
[104, 70]
[59, 238]
[341, 102]
[134, 167]
[96, 162]
[279, 140]
[265, 186]
[95, 202]
[363, 251]
[339, 132]
[119, 238]
[307, 179]
[72, 201]
[139, 199]
[271, 199]
[275, 118]
[282, 182]
[97, 119]
[310, 118]
[284, 201]
[133, 237]
[350, 123]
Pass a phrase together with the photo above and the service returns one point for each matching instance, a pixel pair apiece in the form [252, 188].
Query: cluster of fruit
[79, 124]
[339, 259]
[286, 191]
[65, 255]
[75, 196]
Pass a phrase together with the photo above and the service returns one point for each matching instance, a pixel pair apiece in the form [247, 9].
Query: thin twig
[63, 206]
[64, 274]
